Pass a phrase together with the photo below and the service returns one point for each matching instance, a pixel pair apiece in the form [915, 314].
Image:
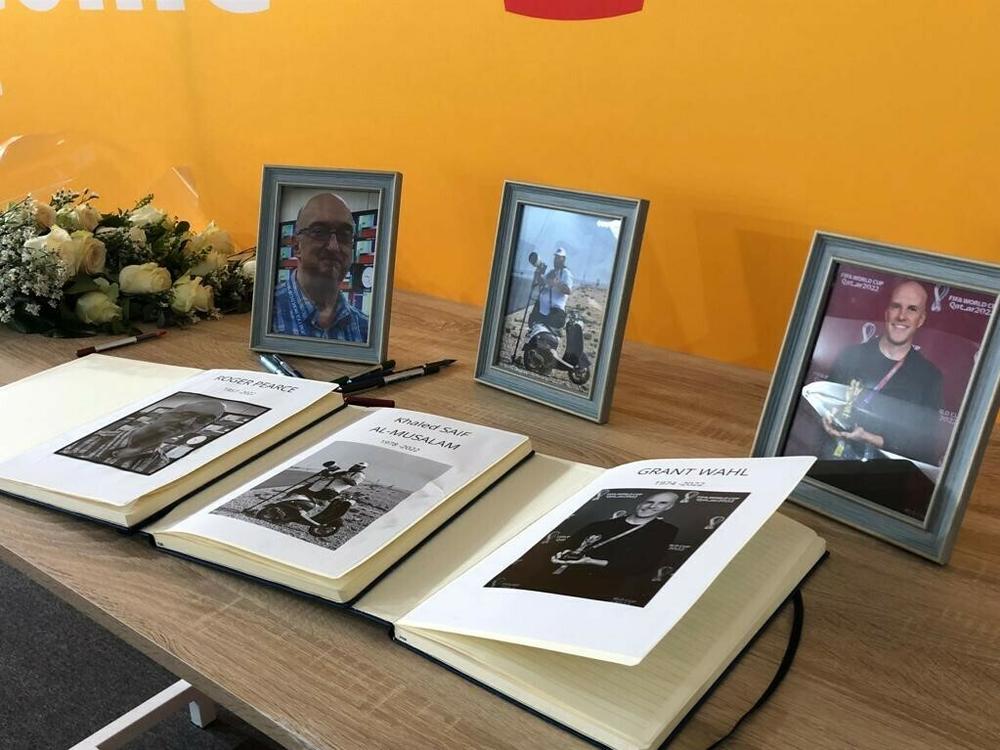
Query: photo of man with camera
[557, 294]
[555, 285]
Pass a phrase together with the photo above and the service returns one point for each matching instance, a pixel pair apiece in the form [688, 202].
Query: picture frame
[902, 463]
[554, 337]
[312, 296]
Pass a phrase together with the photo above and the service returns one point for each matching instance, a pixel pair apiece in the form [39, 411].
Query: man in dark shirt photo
[614, 559]
[900, 390]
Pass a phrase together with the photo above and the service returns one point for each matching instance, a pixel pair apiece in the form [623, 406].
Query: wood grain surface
[897, 652]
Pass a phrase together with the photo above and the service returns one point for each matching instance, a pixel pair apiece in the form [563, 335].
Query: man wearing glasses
[310, 302]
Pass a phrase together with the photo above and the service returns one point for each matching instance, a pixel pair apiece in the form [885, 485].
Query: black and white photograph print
[622, 545]
[152, 438]
[557, 296]
[335, 493]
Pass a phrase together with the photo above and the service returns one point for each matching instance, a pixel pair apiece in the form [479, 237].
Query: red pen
[366, 401]
[120, 342]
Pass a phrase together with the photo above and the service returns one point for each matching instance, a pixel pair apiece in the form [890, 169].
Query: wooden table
[897, 652]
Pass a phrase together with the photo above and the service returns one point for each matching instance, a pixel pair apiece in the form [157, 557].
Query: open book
[620, 658]
[118, 440]
[609, 601]
[612, 569]
[331, 517]
[323, 506]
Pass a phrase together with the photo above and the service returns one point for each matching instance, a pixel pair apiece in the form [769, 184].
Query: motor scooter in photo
[540, 353]
[299, 503]
[297, 509]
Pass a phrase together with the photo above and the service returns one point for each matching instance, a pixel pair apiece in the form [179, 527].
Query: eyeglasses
[345, 235]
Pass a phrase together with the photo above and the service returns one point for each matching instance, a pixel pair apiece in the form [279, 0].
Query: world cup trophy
[843, 416]
[575, 554]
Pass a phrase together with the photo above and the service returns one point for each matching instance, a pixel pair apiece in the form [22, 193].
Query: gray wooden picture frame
[934, 536]
[275, 180]
[632, 214]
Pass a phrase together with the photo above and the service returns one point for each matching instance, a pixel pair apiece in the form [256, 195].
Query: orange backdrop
[746, 123]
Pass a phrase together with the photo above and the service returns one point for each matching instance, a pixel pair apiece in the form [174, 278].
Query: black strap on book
[786, 663]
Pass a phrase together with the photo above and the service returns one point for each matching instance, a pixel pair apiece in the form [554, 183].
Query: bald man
[147, 447]
[902, 388]
[612, 559]
[310, 302]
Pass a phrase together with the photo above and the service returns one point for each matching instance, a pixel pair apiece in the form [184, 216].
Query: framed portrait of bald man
[888, 375]
[558, 299]
[622, 545]
[325, 255]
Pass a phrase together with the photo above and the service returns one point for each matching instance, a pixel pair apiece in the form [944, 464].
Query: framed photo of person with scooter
[558, 299]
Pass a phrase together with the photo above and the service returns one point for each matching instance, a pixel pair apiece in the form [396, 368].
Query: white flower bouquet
[66, 269]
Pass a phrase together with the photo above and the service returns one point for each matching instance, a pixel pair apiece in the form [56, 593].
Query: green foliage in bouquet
[66, 269]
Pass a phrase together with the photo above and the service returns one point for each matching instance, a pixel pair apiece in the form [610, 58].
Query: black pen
[371, 376]
[384, 368]
[289, 370]
[379, 381]
[270, 365]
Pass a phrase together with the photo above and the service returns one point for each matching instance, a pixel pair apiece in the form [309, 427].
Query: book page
[153, 442]
[637, 706]
[609, 572]
[535, 487]
[331, 507]
[50, 402]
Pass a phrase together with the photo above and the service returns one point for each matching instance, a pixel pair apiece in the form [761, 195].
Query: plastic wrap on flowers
[70, 265]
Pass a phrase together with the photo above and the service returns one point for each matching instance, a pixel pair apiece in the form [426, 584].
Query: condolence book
[323, 507]
[608, 601]
[330, 518]
[118, 440]
[620, 652]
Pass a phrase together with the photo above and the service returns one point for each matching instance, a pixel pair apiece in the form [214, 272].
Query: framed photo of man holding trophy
[888, 375]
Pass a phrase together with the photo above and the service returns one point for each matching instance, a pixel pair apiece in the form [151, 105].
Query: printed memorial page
[152, 443]
[607, 573]
[332, 507]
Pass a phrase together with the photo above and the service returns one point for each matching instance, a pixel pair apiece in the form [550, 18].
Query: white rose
[43, 213]
[213, 261]
[85, 217]
[71, 253]
[214, 238]
[249, 269]
[146, 216]
[90, 251]
[182, 299]
[148, 278]
[204, 297]
[59, 243]
[190, 294]
[110, 290]
[48, 242]
[99, 306]
[137, 236]
[218, 246]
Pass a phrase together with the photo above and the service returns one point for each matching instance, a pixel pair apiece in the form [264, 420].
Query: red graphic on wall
[573, 10]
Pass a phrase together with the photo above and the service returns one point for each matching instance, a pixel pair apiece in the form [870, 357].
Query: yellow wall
[746, 123]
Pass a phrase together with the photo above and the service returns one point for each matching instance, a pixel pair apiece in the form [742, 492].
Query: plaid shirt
[295, 315]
